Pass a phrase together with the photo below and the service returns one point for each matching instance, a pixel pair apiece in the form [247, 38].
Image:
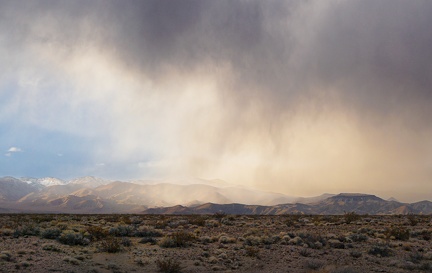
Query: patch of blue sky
[43, 152]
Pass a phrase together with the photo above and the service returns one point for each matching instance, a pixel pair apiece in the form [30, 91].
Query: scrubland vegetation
[219, 242]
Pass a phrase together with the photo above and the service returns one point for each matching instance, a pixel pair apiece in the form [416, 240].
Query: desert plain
[215, 243]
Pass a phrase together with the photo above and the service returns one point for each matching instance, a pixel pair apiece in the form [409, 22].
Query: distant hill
[334, 205]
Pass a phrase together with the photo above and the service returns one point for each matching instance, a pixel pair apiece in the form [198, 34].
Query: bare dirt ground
[208, 243]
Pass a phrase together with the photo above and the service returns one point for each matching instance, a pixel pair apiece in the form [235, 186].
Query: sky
[297, 97]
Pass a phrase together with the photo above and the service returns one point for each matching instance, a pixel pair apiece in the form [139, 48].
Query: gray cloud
[276, 64]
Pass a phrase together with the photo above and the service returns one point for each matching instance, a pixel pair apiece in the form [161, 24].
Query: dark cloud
[370, 52]
[373, 55]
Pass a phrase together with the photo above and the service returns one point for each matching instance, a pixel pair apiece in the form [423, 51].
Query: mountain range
[97, 195]
[334, 205]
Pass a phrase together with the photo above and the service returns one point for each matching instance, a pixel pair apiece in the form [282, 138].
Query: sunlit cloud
[14, 149]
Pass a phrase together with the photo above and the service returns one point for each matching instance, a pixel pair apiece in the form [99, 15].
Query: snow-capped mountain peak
[45, 181]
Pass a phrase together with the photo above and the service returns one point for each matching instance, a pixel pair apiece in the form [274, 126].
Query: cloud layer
[299, 97]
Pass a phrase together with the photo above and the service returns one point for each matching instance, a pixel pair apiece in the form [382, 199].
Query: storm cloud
[299, 97]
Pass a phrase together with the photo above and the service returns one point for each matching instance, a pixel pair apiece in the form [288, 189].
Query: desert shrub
[399, 233]
[211, 223]
[252, 240]
[146, 240]
[40, 218]
[6, 232]
[269, 240]
[355, 237]
[71, 260]
[314, 241]
[111, 245]
[167, 242]
[97, 232]
[345, 270]
[126, 220]
[50, 247]
[73, 238]
[314, 264]
[380, 250]
[423, 234]
[416, 257]
[227, 221]
[253, 231]
[197, 220]
[177, 239]
[252, 251]
[136, 220]
[355, 254]
[125, 241]
[412, 219]
[62, 226]
[227, 240]
[51, 233]
[147, 232]
[26, 230]
[219, 215]
[351, 217]
[6, 256]
[426, 267]
[168, 266]
[122, 231]
[305, 252]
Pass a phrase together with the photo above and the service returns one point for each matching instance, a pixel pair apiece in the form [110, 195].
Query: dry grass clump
[51, 247]
[397, 233]
[110, 245]
[252, 251]
[72, 238]
[177, 239]
[51, 233]
[71, 260]
[351, 217]
[197, 220]
[314, 264]
[168, 266]
[5, 256]
[97, 233]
